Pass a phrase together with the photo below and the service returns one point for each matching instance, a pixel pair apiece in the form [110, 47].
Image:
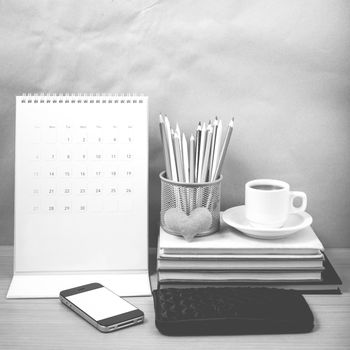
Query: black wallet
[236, 310]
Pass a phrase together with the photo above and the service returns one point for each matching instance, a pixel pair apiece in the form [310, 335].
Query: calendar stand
[81, 194]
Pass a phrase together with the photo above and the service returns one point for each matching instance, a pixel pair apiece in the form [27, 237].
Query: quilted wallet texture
[204, 311]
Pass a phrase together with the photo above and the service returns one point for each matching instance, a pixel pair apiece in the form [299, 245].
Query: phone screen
[100, 303]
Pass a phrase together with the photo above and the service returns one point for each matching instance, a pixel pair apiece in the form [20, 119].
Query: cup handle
[292, 196]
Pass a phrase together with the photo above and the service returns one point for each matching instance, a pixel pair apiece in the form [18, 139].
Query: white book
[184, 264]
[250, 257]
[207, 276]
[231, 241]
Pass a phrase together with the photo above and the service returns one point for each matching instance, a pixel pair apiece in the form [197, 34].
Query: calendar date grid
[81, 168]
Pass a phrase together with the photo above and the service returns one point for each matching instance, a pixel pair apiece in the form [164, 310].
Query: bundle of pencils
[199, 160]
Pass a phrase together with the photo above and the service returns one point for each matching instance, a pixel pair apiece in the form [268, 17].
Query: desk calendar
[81, 194]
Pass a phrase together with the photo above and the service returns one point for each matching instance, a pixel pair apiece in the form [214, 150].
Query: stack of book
[230, 258]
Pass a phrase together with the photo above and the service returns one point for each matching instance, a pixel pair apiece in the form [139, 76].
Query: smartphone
[101, 307]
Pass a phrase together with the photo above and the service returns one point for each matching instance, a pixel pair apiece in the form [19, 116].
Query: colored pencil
[224, 149]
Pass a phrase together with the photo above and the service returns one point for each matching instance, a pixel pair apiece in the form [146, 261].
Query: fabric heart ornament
[188, 226]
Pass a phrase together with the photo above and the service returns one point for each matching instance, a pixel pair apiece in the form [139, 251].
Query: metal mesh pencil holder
[190, 208]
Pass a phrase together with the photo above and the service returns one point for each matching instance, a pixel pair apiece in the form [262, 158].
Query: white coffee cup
[269, 202]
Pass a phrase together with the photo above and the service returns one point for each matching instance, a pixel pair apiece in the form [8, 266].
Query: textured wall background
[281, 67]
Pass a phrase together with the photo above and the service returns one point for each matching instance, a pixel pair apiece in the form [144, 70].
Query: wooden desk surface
[47, 324]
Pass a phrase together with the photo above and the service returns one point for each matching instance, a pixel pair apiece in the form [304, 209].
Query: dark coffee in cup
[266, 187]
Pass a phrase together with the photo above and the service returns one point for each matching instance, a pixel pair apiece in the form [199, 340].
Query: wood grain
[47, 324]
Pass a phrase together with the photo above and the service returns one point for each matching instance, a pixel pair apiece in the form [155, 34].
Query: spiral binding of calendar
[83, 98]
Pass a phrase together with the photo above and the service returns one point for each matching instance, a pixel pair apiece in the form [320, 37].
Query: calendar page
[81, 183]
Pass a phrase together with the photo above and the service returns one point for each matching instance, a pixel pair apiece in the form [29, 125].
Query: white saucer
[235, 217]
